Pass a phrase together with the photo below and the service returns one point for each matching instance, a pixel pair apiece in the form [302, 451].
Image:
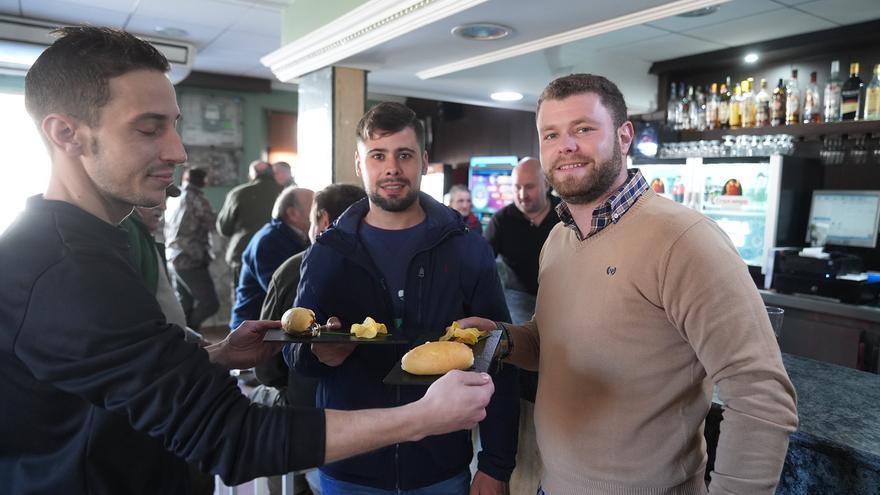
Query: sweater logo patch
[611, 270]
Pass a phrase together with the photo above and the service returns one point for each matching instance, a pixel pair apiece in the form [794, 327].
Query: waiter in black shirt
[518, 231]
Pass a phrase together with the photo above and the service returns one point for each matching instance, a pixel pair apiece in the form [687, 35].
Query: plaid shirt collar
[612, 210]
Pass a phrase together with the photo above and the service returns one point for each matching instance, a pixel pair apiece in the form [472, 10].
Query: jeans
[457, 485]
[195, 291]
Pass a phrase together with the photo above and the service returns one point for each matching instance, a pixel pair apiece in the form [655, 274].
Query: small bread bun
[436, 358]
[297, 320]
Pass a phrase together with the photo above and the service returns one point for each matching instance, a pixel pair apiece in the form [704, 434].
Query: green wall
[11, 84]
[255, 107]
[305, 16]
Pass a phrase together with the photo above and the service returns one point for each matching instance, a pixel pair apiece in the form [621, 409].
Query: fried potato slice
[468, 336]
[369, 329]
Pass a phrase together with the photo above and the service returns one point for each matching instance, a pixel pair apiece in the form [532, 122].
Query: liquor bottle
[777, 107]
[698, 110]
[851, 94]
[683, 111]
[671, 106]
[872, 98]
[832, 94]
[724, 105]
[792, 100]
[811, 102]
[762, 106]
[713, 120]
[747, 105]
[736, 108]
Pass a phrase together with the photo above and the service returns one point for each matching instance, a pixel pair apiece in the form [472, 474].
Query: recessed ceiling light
[506, 96]
[171, 32]
[482, 31]
[700, 12]
[751, 58]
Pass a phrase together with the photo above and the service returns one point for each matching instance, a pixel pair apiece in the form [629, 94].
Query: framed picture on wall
[208, 120]
[221, 163]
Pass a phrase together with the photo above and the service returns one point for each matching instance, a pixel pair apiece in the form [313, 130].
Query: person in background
[460, 201]
[100, 393]
[408, 261]
[246, 209]
[517, 231]
[288, 386]
[644, 305]
[281, 238]
[190, 220]
[283, 175]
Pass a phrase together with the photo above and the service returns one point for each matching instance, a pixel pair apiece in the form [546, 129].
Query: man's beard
[393, 204]
[590, 188]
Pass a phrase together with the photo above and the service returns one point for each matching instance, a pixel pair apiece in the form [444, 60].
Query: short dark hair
[196, 176]
[336, 198]
[72, 75]
[575, 84]
[390, 118]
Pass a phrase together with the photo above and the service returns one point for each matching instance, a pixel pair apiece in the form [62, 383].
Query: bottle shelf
[805, 131]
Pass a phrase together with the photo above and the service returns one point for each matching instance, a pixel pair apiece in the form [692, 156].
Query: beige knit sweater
[633, 326]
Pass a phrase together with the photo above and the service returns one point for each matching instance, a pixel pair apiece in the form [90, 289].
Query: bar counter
[835, 450]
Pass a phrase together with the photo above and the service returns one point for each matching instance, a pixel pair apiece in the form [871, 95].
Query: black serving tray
[484, 352]
[278, 335]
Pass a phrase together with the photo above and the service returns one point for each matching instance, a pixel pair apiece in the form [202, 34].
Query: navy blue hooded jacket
[452, 275]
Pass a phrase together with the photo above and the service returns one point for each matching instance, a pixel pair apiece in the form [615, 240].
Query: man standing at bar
[517, 231]
[100, 394]
[408, 261]
[643, 305]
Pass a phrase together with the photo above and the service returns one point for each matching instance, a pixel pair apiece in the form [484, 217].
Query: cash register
[837, 219]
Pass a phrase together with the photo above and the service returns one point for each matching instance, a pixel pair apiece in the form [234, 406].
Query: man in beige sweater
[643, 305]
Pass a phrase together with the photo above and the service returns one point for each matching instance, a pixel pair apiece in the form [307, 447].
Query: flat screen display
[844, 218]
[491, 183]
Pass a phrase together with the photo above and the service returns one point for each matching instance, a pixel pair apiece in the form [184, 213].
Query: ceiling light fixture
[751, 58]
[506, 96]
[482, 31]
[171, 32]
[700, 12]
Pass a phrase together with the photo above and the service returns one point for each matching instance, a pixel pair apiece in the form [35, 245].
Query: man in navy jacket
[285, 235]
[408, 261]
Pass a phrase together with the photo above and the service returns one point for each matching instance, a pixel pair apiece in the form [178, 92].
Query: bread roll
[436, 358]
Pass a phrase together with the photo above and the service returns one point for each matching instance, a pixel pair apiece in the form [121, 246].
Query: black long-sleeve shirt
[99, 394]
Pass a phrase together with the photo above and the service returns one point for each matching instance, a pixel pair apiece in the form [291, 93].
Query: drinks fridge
[757, 201]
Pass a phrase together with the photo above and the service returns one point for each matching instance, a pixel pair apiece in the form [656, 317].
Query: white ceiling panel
[198, 34]
[761, 27]
[844, 11]
[205, 12]
[254, 43]
[664, 48]
[121, 5]
[9, 7]
[259, 21]
[73, 13]
[726, 12]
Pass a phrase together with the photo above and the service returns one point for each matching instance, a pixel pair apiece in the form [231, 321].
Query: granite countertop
[838, 407]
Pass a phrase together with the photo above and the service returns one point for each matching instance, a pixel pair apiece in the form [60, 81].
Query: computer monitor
[490, 182]
[844, 218]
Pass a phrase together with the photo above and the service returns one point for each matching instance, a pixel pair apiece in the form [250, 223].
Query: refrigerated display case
[758, 201]
[670, 178]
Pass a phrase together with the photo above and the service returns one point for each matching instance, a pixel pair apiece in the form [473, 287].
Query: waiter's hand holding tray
[299, 327]
[484, 354]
